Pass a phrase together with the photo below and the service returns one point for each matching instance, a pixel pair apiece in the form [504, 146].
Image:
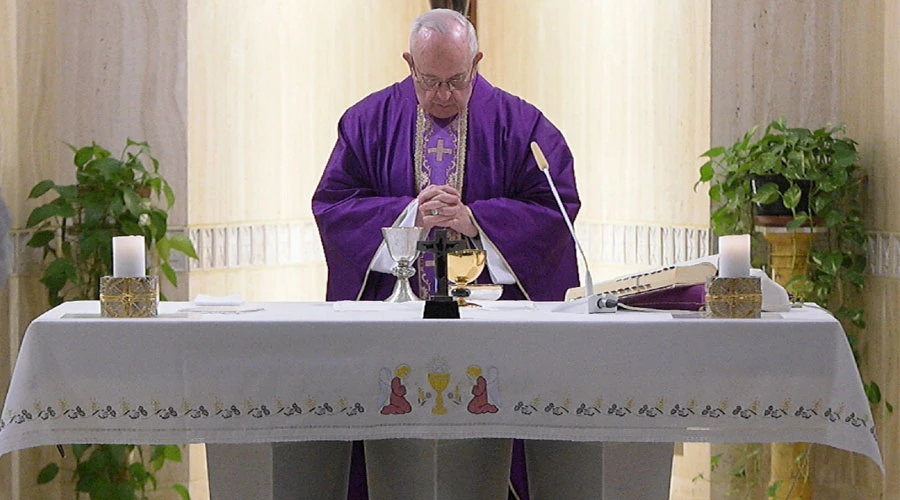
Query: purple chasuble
[370, 179]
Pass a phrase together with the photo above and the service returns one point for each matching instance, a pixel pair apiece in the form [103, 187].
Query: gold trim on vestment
[456, 172]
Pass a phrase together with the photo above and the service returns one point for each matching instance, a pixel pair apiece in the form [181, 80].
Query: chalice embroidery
[439, 380]
[464, 267]
[401, 245]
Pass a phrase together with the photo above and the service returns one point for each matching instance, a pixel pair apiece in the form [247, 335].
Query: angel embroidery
[392, 392]
[485, 391]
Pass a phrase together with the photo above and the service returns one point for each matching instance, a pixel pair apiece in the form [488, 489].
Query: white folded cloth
[212, 300]
[774, 297]
[377, 306]
[483, 292]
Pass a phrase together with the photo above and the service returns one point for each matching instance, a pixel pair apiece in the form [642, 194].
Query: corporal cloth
[370, 180]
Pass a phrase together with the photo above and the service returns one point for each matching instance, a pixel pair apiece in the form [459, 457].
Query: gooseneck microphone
[596, 303]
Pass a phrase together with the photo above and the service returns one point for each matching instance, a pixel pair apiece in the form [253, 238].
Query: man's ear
[478, 57]
[408, 58]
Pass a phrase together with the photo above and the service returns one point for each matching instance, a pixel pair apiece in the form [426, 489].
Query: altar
[275, 372]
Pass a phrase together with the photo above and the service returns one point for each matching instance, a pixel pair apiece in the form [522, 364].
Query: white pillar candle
[128, 257]
[734, 256]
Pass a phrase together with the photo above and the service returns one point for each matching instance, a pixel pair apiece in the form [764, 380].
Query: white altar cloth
[317, 371]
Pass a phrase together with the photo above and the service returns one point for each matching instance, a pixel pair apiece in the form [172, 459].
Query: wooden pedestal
[789, 467]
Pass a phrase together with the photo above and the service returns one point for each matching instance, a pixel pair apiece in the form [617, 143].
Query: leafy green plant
[828, 160]
[111, 197]
[117, 472]
[824, 162]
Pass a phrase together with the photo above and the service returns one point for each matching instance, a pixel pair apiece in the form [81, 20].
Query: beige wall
[774, 59]
[628, 85]
[246, 93]
[268, 82]
[817, 62]
[120, 74]
[870, 104]
[240, 102]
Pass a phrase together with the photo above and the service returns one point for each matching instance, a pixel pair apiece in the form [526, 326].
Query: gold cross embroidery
[440, 150]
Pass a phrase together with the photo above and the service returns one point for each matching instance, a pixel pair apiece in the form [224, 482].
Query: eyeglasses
[432, 84]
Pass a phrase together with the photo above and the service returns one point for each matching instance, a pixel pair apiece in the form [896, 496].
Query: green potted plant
[112, 196]
[117, 471]
[823, 160]
[804, 181]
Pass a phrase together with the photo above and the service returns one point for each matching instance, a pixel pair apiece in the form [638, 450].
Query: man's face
[442, 68]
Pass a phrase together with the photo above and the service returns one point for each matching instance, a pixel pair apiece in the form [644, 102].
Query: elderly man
[445, 149]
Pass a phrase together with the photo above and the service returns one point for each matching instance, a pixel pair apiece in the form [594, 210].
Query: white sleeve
[497, 267]
[499, 271]
[382, 262]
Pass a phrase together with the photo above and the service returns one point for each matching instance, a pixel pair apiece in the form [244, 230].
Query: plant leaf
[792, 196]
[172, 453]
[181, 243]
[797, 222]
[79, 449]
[772, 490]
[873, 392]
[132, 202]
[707, 172]
[170, 195]
[48, 473]
[767, 193]
[41, 238]
[83, 155]
[50, 210]
[169, 273]
[40, 188]
[182, 491]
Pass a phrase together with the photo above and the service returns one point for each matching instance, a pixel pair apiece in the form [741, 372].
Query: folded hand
[440, 206]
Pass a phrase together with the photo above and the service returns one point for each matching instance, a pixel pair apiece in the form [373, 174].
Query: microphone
[596, 303]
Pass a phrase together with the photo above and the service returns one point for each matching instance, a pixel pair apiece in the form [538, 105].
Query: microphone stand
[595, 303]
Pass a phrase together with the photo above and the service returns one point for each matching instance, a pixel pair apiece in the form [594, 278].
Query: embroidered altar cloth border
[342, 371]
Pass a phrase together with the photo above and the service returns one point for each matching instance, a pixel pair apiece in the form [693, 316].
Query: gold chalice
[464, 267]
[439, 382]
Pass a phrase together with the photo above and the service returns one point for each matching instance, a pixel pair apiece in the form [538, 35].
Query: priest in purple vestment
[378, 176]
[445, 149]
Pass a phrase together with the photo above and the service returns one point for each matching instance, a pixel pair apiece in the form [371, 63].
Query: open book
[657, 279]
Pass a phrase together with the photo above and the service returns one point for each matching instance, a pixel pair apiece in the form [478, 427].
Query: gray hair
[443, 21]
[5, 243]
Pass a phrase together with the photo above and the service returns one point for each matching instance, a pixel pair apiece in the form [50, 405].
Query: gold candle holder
[733, 297]
[136, 297]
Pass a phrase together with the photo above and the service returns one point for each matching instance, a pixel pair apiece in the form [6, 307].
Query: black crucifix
[441, 305]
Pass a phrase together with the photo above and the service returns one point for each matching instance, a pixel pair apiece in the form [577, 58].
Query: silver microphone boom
[605, 303]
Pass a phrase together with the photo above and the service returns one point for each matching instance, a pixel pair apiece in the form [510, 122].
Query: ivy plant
[828, 160]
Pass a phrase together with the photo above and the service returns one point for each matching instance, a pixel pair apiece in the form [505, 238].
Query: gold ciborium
[464, 267]
[439, 382]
